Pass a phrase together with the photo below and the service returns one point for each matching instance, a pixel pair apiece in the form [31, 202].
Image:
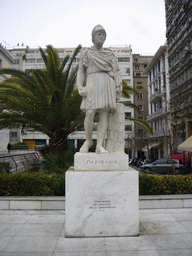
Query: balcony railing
[160, 133]
[158, 92]
[156, 113]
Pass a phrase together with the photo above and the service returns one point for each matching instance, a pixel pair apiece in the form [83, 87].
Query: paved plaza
[41, 233]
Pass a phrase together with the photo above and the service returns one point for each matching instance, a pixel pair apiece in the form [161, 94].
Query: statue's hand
[83, 92]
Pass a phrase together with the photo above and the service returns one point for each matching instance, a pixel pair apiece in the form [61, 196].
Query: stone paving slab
[163, 232]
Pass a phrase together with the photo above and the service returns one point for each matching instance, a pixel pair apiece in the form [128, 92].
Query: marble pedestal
[102, 203]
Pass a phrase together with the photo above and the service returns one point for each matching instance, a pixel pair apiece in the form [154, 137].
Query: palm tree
[44, 100]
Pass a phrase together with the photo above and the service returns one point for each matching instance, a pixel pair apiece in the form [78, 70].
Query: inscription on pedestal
[102, 205]
[105, 162]
[100, 162]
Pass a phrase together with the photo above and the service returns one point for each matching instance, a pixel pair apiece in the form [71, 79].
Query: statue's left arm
[117, 78]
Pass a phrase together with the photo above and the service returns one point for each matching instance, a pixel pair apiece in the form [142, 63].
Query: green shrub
[21, 146]
[44, 150]
[58, 163]
[42, 184]
[165, 184]
[4, 167]
[32, 184]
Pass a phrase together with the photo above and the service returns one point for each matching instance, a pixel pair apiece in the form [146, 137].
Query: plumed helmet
[96, 29]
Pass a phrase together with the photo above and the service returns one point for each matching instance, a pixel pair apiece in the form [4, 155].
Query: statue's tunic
[102, 79]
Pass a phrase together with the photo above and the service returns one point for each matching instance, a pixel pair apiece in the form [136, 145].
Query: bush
[20, 146]
[165, 184]
[44, 150]
[4, 167]
[32, 184]
[42, 184]
[58, 163]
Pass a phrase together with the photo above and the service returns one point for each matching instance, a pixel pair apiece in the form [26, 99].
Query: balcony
[160, 133]
[157, 113]
[157, 93]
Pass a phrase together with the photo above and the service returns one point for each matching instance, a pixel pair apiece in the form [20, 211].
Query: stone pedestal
[102, 203]
[101, 162]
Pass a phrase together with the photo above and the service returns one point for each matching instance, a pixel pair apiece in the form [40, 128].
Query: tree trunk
[58, 145]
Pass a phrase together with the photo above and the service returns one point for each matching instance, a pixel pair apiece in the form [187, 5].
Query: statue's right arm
[81, 76]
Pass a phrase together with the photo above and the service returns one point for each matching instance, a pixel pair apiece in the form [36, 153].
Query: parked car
[161, 166]
[182, 158]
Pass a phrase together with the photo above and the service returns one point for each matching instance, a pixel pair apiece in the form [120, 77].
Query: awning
[186, 145]
[154, 145]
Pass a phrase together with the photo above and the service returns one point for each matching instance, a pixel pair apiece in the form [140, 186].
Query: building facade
[6, 61]
[28, 59]
[140, 83]
[179, 41]
[159, 104]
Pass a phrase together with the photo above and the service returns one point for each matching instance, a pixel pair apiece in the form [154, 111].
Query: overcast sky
[67, 23]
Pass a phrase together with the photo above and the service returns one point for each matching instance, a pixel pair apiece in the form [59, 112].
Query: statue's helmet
[96, 29]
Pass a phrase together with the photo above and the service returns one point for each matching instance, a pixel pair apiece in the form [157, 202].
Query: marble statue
[99, 84]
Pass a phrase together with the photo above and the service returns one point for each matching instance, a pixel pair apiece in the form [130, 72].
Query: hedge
[32, 184]
[42, 184]
[150, 184]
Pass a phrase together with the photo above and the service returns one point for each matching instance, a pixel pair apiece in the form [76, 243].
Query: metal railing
[21, 162]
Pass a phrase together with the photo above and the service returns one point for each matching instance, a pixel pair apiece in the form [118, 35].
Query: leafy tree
[44, 100]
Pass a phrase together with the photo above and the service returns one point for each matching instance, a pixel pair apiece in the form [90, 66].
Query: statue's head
[96, 29]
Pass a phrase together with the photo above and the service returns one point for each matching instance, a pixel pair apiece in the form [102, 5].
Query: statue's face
[99, 38]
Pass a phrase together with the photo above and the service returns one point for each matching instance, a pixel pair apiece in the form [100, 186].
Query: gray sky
[67, 23]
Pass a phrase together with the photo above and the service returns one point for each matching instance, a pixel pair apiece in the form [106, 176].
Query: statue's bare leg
[101, 130]
[88, 125]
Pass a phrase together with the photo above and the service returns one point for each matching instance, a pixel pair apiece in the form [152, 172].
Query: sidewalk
[41, 233]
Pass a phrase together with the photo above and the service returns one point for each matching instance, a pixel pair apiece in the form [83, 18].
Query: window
[140, 107]
[127, 51]
[135, 60]
[136, 67]
[140, 131]
[128, 128]
[13, 134]
[124, 59]
[30, 61]
[164, 80]
[138, 74]
[139, 85]
[140, 96]
[127, 81]
[0, 63]
[128, 114]
[17, 61]
[161, 161]
[125, 71]
[40, 60]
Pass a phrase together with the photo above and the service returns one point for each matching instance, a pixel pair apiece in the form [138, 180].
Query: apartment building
[29, 58]
[159, 104]
[140, 83]
[6, 61]
[179, 41]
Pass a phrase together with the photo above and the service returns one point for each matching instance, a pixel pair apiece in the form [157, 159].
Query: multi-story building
[140, 83]
[159, 107]
[179, 40]
[29, 59]
[6, 61]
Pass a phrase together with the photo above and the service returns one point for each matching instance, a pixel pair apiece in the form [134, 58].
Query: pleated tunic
[101, 69]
